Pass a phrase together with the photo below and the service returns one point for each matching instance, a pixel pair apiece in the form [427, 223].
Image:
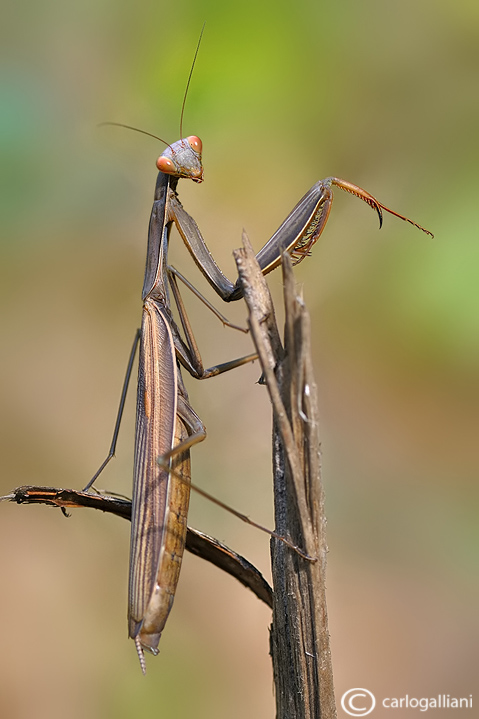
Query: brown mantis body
[166, 425]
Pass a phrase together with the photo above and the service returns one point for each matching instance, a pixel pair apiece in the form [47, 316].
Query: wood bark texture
[300, 646]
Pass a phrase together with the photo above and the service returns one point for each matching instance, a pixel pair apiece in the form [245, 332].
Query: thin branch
[197, 542]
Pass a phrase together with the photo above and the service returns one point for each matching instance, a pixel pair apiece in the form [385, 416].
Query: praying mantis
[166, 424]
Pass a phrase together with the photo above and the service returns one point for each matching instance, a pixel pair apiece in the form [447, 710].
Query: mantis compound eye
[164, 164]
[195, 144]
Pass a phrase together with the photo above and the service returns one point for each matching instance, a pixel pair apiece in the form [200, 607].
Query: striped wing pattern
[155, 432]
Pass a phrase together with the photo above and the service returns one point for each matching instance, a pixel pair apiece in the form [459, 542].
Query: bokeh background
[384, 94]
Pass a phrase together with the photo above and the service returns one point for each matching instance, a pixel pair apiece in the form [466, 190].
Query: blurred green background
[384, 94]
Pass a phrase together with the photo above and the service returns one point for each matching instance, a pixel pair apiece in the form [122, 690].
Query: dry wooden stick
[299, 634]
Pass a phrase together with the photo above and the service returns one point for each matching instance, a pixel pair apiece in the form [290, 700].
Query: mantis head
[183, 159]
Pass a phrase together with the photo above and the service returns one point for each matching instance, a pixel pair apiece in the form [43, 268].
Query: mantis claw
[372, 202]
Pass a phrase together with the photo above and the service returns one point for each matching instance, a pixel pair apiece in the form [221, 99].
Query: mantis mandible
[166, 425]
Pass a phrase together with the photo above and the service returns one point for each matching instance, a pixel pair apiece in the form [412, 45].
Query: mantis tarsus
[166, 425]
